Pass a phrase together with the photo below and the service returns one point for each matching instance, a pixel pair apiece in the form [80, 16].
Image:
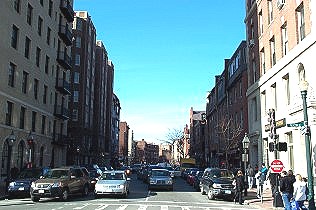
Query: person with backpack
[250, 174]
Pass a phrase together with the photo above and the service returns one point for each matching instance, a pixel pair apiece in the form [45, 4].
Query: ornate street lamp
[245, 145]
[78, 151]
[311, 202]
[30, 142]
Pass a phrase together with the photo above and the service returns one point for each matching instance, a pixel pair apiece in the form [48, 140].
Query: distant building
[115, 129]
[123, 142]
[146, 153]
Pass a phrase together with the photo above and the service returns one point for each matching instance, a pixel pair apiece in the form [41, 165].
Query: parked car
[196, 180]
[112, 183]
[60, 182]
[160, 179]
[218, 183]
[20, 187]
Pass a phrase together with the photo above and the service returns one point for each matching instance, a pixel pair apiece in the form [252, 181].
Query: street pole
[245, 166]
[311, 202]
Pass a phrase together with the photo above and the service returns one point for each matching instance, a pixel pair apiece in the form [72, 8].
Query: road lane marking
[102, 207]
[164, 207]
[142, 207]
[122, 207]
[81, 207]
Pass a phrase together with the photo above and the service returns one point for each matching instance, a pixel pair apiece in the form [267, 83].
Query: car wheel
[64, 195]
[85, 190]
[210, 194]
[96, 196]
[202, 190]
[35, 199]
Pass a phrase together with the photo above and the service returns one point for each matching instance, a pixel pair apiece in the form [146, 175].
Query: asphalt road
[184, 197]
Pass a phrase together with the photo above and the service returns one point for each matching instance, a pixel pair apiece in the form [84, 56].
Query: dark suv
[218, 183]
[60, 182]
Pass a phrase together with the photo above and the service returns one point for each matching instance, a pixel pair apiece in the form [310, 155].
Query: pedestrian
[286, 187]
[273, 178]
[240, 186]
[264, 171]
[299, 193]
[259, 184]
[250, 174]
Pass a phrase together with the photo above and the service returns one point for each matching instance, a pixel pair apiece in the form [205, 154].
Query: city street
[182, 198]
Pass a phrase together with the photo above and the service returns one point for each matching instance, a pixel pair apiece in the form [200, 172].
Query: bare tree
[176, 137]
[229, 131]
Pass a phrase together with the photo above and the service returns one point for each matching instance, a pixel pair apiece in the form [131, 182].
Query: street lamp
[30, 142]
[11, 139]
[311, 202]
[78, 151]
[245, 145]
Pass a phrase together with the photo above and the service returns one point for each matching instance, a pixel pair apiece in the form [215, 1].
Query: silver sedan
[112, 183]
[160, 179]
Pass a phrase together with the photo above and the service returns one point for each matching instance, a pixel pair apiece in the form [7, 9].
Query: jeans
[250, 181]
[301, 204]
[286, 200]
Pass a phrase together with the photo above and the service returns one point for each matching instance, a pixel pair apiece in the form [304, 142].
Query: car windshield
[56, 174]
[222, 174]
[112, 176]
[160, 173]
[30, 174]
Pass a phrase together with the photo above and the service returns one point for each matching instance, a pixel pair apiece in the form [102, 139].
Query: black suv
[218, 183]
[60, 182]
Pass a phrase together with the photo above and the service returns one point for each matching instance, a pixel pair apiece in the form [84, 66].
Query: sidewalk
[267, 200]
[2, 190]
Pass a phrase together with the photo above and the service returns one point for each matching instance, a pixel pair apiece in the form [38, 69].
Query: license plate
[21, 188]
[228, 192]
[41, 191]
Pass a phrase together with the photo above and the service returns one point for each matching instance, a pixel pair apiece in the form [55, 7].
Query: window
[289, 140]
[300, 22]
[285, 42]
[39, 25]
[264, 102]
[286, 80]
[22, 117]
[35, 89]
[50, 8]
[77, 60]
[33, 120]
[76, 77]
[78, 24]
[254, 109]
[27, 47]
[43, 124]
[254, 71]
[11, 73]
[42, 2]
[48, 35]
[270, 11]
[29, 14]
[78, 42]
[272, 51]
[263, 63]
[8, 114]
[260, 23]
[76, 96]
[45, 94]
[24, 82]
[75, 115]
[46, 64]
[17, 5]
[38, 56]
[14, 37]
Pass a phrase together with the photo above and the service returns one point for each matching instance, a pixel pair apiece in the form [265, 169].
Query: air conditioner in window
[280, 3]
[251, 43]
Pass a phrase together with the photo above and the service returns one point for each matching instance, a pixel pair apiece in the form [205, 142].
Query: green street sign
[298, 124]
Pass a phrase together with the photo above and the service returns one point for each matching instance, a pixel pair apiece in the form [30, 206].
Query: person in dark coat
[240, 186]
[286, 188]
[273, 178]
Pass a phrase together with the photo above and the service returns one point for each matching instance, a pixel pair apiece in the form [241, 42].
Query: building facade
[123, 142]
[36, 67]
[285, 42]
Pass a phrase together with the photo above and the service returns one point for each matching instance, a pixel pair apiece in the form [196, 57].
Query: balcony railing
[65, 34]
[67, 10]
[61, 112]
[64, 60]
[63, 86]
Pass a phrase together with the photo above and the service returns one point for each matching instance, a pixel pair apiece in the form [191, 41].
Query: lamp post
[30, 142]
[311, 202]
[11, 139]
[245, 145]
[78, 151]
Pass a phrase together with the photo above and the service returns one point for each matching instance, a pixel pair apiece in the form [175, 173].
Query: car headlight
[216, 185]
[152, 181]
[12, 184]
[169, 181]
[33, 184]
[121, 186]
[56, 184]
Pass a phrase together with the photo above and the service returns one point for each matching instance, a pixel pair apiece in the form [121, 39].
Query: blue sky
[166, 54]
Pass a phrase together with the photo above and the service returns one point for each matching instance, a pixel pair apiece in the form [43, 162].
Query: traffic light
[282, 146]
[271, 146]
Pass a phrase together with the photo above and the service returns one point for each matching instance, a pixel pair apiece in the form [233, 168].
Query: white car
[112, 183]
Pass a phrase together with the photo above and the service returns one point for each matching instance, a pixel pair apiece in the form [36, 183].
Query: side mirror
[72, 177]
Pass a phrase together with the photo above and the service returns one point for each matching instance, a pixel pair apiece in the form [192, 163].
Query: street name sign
[297, 124]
